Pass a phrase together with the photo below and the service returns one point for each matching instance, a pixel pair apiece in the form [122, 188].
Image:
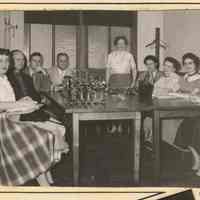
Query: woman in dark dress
[23, 85]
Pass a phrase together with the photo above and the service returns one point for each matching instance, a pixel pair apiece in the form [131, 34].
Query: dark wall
[114, 18]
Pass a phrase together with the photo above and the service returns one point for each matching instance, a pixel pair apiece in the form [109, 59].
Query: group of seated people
[31, 141]
[26, 138]
[171, 80]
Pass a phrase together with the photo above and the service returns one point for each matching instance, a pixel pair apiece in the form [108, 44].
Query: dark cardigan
[27, 90]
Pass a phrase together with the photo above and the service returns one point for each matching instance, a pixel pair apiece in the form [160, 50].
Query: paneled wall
[98, 45]
[116, 31]
[86, 36]
[65, 41]
[41, 41]
[148, 21]
[12, 38]
[17, 38]
[181, 32]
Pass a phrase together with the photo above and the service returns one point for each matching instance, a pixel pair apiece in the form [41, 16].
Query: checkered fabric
[25, 151]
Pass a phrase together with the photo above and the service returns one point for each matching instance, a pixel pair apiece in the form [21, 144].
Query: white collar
[4, 78]
[63, 72]
[31, 72]
[192, 78]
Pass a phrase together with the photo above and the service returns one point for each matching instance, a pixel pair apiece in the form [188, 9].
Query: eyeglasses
[188, 63]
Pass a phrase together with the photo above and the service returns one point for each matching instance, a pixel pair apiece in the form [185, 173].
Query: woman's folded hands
[24, 105]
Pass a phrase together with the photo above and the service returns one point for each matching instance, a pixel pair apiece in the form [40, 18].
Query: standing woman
[121, 67]
[120, 70]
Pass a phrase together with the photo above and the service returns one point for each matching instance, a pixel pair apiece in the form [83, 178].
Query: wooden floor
[105, 161]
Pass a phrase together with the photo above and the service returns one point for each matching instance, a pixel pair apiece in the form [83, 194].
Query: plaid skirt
[25, 151]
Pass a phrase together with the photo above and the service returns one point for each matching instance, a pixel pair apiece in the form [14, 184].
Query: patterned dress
[26, 151]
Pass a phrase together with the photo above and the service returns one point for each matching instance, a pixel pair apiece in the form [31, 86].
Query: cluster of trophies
[82, 89]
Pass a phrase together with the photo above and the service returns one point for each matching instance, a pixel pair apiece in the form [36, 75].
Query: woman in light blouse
[120, 71]
[168, 82]
[121, 67]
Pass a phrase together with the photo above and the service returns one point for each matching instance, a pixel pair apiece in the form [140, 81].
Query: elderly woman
[25, 148]
[120, 70]
[121, 67]
[188, 134]
[23, 87]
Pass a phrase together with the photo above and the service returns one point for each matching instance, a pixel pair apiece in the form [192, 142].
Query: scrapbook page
[99, 100]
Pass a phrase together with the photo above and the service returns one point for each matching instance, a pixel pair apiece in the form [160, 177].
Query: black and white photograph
[100, 98]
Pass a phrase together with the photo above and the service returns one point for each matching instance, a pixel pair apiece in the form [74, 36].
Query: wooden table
[131, 108]
[115, 108]
[168, 109]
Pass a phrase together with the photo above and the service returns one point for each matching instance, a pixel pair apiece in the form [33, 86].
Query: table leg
[136, 153]
[75, 149]
[156, 145]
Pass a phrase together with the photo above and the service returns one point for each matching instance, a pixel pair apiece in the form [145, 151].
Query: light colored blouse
[121, 62]
[7, 93]
[190, 84]
[166, 85]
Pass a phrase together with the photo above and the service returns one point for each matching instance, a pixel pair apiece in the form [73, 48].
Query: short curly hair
[175, 62]
[120, 38]
[36, 54]
[193, 57]
[153, 58]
